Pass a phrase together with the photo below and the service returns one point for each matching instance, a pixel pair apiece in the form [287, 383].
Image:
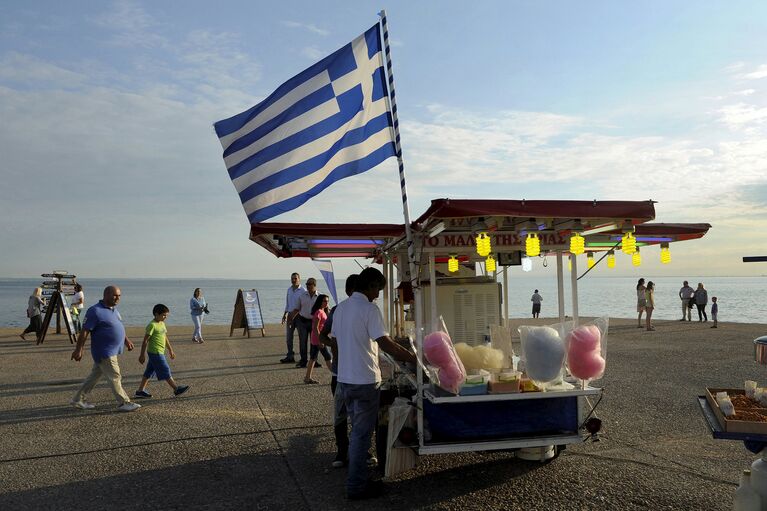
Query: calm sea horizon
[597, 296]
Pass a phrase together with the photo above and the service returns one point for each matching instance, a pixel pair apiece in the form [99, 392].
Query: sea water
[740, 298]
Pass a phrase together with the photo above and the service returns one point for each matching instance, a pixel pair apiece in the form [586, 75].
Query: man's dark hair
[160, 309]
[368, 278]
[351, 282]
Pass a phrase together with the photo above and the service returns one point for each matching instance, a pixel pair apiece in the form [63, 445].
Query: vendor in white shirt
[358, 327]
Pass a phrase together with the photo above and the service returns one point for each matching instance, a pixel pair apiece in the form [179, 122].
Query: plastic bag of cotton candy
[438, 350]
[543, 351]
[480, 357]
[586, 347]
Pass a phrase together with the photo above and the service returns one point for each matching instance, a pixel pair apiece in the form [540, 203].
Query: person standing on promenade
[302, 314]
[714, 311]
[641, 301]
[154, 345]
[291, 301]
[685, 294]
[701, 299]
[197, 306]
[650, 306]
[34, 313]
[104, 324]
[78, 303]
[319, 317]
[536, 299]
[359, 329]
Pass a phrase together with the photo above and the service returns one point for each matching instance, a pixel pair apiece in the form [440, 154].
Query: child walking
[714, 310]
[319, 316]
[154, 345]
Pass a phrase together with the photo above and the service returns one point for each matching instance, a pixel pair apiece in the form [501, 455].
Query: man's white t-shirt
[357, 323]
[79, 297]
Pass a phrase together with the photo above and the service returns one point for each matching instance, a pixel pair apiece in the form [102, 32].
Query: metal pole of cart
[413, 267]
[505, 296]
[574, 285]
[560, 287]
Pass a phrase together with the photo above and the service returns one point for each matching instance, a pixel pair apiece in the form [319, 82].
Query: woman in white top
[641, 301]
[34, 313]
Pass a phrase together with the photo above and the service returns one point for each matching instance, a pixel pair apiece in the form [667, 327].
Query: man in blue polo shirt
[104, 324]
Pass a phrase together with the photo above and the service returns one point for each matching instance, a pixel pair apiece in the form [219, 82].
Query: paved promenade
[250, 435]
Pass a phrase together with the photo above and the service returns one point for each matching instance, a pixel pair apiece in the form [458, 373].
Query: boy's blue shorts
[157, 365]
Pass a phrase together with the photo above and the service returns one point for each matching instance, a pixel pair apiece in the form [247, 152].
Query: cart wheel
[557, 451]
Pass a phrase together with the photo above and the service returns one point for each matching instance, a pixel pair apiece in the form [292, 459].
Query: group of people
[35, 306]
[104, 325]
[354, 329]
[689, 297]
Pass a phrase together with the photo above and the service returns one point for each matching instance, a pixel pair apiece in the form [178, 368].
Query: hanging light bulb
[665, 254]
[452, 264]
[532, 245]
[590, 260]
[527, 264]
[483, 244]
[490, 263]
[611, 259]
[636, 259]
[577, 244]
[628, 243]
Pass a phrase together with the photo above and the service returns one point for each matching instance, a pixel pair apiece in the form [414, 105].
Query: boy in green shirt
[155, 342]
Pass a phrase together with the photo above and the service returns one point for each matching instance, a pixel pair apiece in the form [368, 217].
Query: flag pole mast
[412, 264]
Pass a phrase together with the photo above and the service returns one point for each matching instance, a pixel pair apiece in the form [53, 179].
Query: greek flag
[329, 122]
[326, 269]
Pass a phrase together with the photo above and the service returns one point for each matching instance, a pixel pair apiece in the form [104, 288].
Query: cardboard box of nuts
[750, 415]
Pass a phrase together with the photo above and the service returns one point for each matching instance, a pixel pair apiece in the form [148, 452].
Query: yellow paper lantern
[577, 244]
[628, 243]
[490, 263]
[590, 260]
[532, 245]
[665, 254]
[636, 259]
[611, 259]
[483, 244]
[452, 264]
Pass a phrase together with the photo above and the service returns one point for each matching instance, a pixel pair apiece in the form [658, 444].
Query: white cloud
[306, 26]
[312, 53]
[32, 71]
[745, 92]
[130, 25]
[759, 73]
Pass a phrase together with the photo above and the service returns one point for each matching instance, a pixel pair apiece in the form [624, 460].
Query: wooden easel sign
[58, 305]
[247, 313]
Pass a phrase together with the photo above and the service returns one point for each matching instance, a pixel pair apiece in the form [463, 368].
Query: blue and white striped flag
[329, 122]
[326, 269]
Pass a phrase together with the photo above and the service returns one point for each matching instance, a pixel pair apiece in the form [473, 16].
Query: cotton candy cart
[471, 300]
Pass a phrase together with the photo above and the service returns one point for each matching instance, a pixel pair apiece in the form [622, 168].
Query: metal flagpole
[391, 98]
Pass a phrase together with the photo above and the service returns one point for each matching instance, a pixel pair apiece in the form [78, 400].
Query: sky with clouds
[111, 168]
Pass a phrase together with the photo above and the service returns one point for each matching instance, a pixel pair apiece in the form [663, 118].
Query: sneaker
[287, 360]
[339, 462]
[82, 405]
[142, 394]
[180, 390]
[372, 490]
[129, 407]
[310, 381]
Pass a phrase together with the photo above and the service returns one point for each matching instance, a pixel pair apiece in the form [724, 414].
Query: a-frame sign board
[56, 304]
[247, 313]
